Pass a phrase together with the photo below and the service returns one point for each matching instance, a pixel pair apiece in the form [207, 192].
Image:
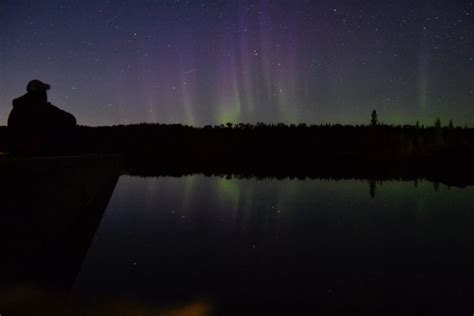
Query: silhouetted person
[37, 126]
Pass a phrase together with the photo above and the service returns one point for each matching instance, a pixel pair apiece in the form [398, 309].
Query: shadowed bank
[50, 212]
[380, 152]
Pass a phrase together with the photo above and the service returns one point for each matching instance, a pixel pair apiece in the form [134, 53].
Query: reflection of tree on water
[50, 211]
[372, 188]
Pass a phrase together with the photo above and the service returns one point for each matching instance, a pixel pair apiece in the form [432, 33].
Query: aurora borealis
[211, 62]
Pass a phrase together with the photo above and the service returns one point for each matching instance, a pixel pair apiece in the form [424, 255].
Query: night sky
[211, 62]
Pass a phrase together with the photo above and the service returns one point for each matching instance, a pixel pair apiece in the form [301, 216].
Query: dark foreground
[224, 249]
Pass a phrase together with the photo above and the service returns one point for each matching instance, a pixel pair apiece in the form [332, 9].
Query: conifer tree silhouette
[373, 118]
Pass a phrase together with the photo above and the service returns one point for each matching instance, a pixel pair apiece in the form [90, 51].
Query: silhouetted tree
[373, 118]
[451, 124]
[437, 123]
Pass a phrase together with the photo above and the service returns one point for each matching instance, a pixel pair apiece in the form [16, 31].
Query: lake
[229, 245]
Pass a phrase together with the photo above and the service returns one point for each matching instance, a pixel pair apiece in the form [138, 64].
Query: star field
[212, 62]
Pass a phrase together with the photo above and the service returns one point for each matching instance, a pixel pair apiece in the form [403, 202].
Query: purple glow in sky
[211, 62]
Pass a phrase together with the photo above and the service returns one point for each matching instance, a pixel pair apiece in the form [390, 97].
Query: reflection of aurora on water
[236, 241]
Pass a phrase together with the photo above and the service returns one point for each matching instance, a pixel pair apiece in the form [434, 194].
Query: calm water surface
[339, 245]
